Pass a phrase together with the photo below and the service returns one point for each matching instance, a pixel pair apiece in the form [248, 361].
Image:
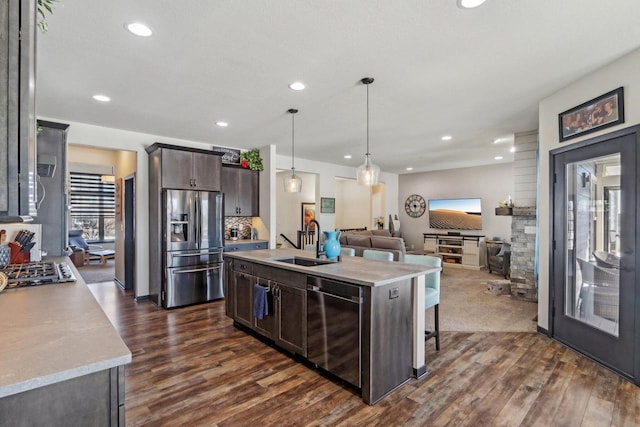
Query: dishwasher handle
[353, 299]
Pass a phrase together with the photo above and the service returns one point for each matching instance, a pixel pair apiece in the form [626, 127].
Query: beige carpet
[467, 306]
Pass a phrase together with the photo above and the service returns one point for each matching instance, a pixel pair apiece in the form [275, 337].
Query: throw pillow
[506, 248]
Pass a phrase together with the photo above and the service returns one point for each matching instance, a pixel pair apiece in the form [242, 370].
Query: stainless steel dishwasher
[334, 321]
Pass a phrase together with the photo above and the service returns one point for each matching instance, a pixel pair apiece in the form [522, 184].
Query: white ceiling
[475, 74]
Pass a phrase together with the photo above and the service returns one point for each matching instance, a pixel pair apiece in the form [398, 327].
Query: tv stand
[456, 250]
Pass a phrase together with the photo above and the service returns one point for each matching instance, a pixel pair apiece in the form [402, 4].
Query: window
[93, 206]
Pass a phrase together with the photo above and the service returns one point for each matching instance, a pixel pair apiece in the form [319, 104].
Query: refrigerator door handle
[195, 270]
[198, 219]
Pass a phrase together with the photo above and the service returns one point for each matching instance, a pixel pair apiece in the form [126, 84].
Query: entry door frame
[129, 208]
[556, 275]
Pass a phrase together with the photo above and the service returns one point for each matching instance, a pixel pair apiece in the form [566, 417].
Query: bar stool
[378, 255]
[431, 291]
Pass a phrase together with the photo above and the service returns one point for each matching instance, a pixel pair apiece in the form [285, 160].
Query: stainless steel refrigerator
[193, 224]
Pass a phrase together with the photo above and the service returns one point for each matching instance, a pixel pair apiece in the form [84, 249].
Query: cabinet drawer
[242, 266]
[245, 246]
[291, 278]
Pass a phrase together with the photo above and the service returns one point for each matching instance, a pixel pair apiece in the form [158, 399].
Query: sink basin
[306, 262]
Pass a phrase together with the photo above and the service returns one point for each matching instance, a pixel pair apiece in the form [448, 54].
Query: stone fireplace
[523, 252]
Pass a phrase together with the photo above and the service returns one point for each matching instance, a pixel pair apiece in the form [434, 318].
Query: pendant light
[292, 182]
[367, 173]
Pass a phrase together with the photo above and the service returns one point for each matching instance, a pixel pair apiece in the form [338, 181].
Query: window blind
[90, 196]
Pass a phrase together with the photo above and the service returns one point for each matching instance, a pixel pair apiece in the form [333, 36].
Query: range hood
[46, 165]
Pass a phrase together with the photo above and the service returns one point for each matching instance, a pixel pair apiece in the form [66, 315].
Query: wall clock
[415, 206]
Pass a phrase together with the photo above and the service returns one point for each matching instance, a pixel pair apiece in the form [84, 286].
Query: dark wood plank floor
[192, 367]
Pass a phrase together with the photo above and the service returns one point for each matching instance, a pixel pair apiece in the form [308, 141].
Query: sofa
[374, 239]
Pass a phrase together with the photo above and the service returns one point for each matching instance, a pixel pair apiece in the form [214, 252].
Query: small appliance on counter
[233, 233]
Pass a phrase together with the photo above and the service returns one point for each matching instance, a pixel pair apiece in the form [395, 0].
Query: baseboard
[119, 283]
[420, 372]
[143, 298]
[543, 331]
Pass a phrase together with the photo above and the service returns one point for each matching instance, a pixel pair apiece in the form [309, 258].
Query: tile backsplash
[242, 222]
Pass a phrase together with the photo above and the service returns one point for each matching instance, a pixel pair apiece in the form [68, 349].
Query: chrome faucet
[319, 253]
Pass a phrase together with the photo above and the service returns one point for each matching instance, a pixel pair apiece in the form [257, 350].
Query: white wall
[326, 185]
[492, 184]
[353, 202]
[289, 205]
[623, 72]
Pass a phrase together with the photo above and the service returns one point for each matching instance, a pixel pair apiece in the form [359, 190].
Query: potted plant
[251, 159]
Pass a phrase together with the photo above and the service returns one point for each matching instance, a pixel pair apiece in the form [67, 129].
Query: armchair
[89, 251]
[499, 258]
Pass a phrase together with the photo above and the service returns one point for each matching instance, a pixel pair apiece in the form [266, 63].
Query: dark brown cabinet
[18, 191]
[243, 298]
[246, 246]
[96, 399]
[286, 323]
[241, 191]
[291, 319]
[188, 170]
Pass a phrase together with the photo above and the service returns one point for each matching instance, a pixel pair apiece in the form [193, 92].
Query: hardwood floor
[192, 367]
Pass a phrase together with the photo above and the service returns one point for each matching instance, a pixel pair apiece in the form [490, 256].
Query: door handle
[196, 270]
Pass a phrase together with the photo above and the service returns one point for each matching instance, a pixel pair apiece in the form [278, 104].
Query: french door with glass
[595, 216]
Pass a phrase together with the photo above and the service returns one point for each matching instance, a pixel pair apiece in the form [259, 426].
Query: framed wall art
[327, 205]
[308, 213]
[593, 115]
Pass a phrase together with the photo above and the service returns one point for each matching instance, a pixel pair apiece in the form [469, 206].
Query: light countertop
[241, 241]
[357, 270]
[51, 333]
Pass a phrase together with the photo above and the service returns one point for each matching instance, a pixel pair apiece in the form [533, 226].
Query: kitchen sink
[306, 262]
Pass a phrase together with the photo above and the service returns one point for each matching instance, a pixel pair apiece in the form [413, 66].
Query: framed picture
[596, 114]
[327, 205]
[229, 156]
[308, 213]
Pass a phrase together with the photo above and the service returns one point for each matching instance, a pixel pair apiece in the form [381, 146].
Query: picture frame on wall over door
[591, 116]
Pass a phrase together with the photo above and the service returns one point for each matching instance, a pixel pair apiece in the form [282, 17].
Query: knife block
[18, 257]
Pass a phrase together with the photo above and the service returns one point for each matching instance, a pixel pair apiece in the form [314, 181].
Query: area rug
[467, 306]
[97, 273]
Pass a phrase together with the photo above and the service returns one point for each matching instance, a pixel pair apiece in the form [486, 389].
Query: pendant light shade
[367, 173]
[292, 182]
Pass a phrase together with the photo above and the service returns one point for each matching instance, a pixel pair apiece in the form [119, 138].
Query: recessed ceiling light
[498, 158]
[409, 168]
[512, 150]
[497, 140]
[446, 138]
[222, 124]
[347, 156]
[139, 29]
[297, 86]
[101, 98]
[469, 4]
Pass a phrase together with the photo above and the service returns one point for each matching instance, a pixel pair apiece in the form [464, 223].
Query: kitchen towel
[260, 305]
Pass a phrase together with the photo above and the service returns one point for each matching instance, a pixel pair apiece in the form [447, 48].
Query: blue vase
[331, 244]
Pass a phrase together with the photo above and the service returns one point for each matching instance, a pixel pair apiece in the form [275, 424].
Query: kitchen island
[62, 359]
[359, 319]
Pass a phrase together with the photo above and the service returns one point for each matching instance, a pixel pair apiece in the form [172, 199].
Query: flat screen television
[455, 214]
